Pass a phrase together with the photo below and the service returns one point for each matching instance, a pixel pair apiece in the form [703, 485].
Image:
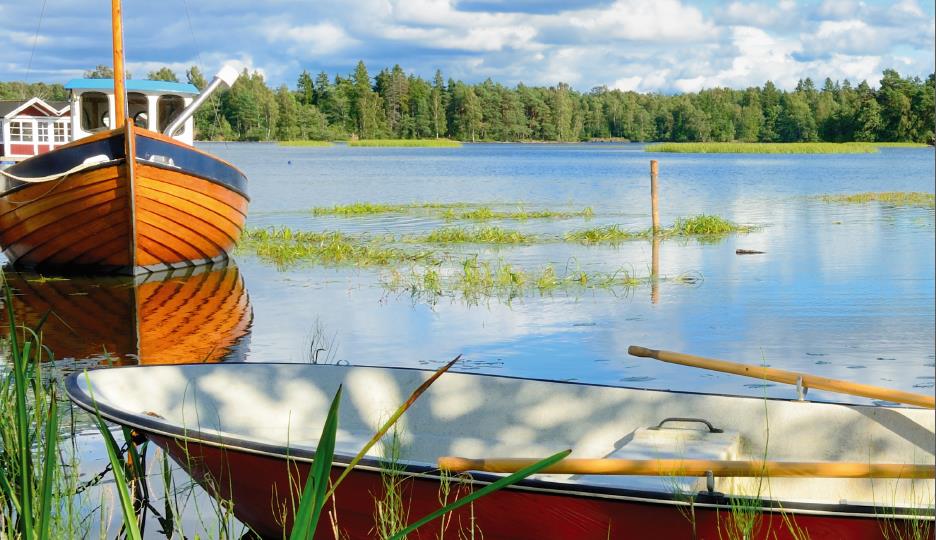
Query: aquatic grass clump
[762, 148]
[485, 213]
[891, 198]
[705, 225]
[406, 143]
[357, 209]
[610, 234]
[286, 247]
[482, 235]
[305, 143]
[367, 208]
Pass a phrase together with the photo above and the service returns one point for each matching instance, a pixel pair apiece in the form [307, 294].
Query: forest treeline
[395, 104]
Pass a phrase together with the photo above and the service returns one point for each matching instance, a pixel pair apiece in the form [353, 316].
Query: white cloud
[635, 20]
[310, 40]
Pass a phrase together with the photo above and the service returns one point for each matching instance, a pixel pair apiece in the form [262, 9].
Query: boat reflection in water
[193, 315]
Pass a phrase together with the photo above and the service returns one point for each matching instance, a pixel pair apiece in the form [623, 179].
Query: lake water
[843, 291]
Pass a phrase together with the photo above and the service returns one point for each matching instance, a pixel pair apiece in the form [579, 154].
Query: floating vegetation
[763, 148]
[305, 143]
[701, 226]
[480, 235]
[366, 208]
[705, 225]
[485, 213]
[474, 280]
[891, 198]
[611, 234]
[407, 143]
[285, 247]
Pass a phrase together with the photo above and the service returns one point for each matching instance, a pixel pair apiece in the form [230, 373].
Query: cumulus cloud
[664, 45]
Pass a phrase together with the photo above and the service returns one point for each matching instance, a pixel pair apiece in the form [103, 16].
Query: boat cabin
[152, 105]
[32, 126]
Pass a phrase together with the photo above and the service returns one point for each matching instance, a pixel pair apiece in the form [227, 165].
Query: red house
[32, 127]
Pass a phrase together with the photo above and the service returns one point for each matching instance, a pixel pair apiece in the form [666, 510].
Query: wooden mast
[120, 91]
[120, 114]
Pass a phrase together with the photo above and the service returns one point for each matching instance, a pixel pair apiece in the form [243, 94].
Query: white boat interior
[478, 416]
[151, 104]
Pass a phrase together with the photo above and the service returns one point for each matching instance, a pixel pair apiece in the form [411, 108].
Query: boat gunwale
[229, 442]
[121, 159]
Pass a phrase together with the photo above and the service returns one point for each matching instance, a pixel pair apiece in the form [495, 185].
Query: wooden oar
[695, 467]
[787, 377]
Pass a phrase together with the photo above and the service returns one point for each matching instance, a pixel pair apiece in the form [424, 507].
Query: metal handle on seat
[711, 428]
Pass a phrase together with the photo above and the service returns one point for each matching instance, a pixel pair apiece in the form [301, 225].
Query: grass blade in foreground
[486, 490]
[313, 494]
[131, 526]
[389, 423]
[50, 462]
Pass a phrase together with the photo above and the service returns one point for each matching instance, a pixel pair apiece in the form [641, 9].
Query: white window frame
[18, 129]
[42, 133]
[60, 133]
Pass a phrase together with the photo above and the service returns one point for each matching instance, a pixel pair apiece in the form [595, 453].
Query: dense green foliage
[395, 105]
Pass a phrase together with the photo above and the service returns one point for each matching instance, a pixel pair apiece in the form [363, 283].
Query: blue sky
[661, 45]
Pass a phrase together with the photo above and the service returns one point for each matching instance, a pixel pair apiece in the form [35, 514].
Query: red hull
[251, 481]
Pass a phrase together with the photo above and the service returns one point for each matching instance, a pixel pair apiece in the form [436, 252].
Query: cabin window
[94, 111]
[61, 132]
[169, 107]
[21, 132]
[42, 130]
[138, 107]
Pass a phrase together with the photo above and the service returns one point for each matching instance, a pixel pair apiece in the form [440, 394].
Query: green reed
[763, 148]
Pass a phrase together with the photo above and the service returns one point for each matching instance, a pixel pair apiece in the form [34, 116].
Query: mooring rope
[40, 179]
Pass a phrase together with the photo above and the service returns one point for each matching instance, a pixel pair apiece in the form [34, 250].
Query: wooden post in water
[654, 195]
[655, 247]
[655, 269]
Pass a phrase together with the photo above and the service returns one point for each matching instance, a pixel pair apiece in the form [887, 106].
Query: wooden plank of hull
[78, 219]
[251, 479]
[83, 221]
[184, 218]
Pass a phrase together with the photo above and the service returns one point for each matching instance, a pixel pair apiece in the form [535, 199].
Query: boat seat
[671, 441]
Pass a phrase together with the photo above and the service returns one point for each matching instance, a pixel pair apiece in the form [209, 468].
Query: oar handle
[787, 377]
[695, 467]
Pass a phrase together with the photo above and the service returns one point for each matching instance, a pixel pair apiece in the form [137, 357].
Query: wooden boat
[200, 314]
[242, 428]
[127, 200]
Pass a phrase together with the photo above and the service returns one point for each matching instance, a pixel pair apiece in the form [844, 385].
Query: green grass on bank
[407, 143]
[892, 198]
[763, 148]
[304, 143]
[898, 144]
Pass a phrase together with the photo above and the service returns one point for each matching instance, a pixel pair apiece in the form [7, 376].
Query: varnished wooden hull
[172, 207]
[201, 314]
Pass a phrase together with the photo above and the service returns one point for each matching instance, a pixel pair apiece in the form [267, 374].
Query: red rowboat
[233, 426]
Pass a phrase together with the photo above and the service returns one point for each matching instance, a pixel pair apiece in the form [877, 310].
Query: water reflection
[200, 314]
